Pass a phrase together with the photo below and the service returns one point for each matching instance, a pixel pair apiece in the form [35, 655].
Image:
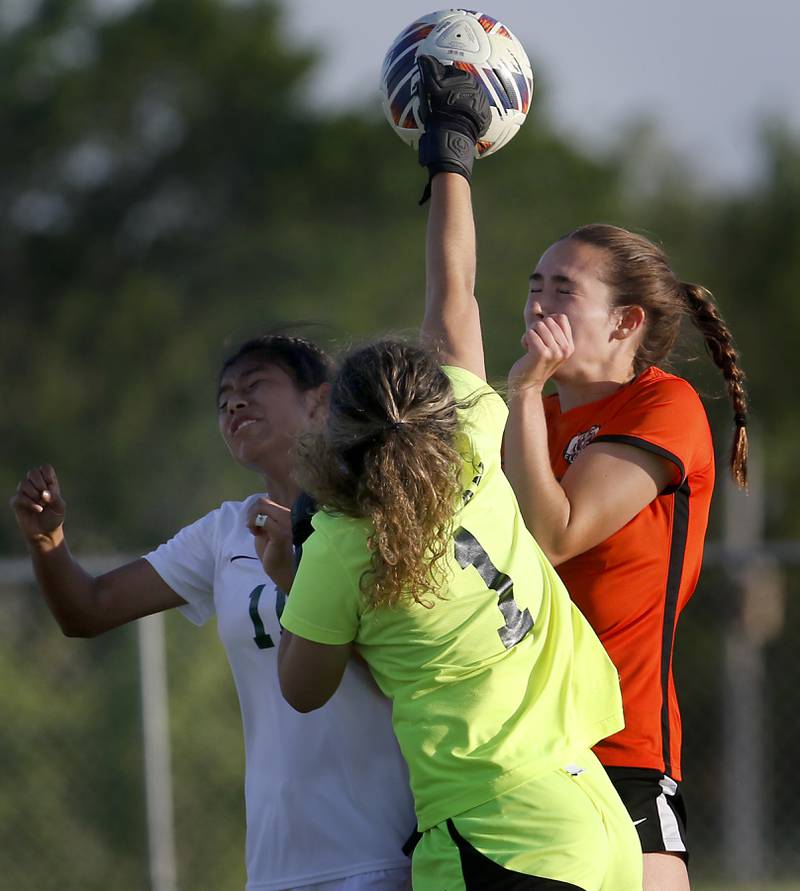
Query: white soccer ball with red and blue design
[475, 42]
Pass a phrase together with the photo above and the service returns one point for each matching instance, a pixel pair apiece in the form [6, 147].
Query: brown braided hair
[389, 454]
[639, 274]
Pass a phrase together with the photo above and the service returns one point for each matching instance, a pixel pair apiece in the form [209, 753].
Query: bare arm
[606, 486]
[452, 320]
[456, 112]
[309, 672]
[86, 605]
[83, 605]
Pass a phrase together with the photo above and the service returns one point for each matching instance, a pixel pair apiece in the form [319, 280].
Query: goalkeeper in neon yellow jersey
[421, 563]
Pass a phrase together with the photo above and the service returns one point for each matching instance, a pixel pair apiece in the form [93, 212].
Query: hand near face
[271, 526]
[38, 505]
[549, 345]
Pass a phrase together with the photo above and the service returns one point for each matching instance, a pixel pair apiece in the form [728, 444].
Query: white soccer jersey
[327, 793]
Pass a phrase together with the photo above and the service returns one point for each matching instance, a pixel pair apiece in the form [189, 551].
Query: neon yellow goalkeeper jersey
[501, 678]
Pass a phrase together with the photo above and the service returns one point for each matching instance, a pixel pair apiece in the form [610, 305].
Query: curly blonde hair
[388, 454]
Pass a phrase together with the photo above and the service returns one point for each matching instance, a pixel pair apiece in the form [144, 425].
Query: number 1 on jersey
[470, 552]
[262, 639]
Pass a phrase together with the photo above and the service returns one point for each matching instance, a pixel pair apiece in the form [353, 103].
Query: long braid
[639, 274]
[719, 343]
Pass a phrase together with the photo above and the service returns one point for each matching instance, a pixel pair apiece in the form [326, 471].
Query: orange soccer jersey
[632, 586]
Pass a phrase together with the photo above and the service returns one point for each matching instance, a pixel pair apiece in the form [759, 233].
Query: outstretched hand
[38, 505]
[271, 526]
[548, 344]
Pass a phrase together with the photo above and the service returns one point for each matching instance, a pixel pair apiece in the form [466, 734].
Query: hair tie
[740, 419]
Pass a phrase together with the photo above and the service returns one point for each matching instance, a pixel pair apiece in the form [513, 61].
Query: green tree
[745, 246]
[169, 192]
[164, 191]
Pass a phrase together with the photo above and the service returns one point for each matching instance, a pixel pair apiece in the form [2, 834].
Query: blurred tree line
[165, 191]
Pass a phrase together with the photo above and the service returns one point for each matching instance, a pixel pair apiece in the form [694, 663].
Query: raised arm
[83, 605]
[456, 113]
[452, 321]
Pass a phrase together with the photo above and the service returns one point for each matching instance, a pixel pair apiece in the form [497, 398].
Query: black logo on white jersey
[578, 443]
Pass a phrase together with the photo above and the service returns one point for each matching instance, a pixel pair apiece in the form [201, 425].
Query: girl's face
[568, 280]
[261, 411]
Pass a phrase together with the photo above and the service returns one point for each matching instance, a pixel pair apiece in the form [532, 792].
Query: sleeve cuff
[648, 446]
[308, 630]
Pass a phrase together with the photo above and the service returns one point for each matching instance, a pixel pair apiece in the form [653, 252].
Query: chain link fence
[74, 797]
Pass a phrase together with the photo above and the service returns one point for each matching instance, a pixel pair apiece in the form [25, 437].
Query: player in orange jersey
[614, 475]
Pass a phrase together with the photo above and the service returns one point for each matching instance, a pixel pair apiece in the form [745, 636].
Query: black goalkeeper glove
[455, 111]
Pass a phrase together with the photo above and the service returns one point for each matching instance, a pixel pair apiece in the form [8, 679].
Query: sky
[706, 72]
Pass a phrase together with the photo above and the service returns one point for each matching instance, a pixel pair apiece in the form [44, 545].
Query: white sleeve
[187, 564]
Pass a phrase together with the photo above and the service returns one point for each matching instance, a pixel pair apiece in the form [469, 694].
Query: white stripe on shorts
[669, 823]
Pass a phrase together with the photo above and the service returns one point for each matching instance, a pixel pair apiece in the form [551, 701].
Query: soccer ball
[469, 40]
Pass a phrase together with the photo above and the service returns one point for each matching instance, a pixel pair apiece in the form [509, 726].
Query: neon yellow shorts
[565, 830]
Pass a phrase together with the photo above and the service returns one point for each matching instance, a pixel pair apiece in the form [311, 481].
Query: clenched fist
[39, 507]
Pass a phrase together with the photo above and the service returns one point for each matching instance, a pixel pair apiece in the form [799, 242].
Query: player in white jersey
[328, 805]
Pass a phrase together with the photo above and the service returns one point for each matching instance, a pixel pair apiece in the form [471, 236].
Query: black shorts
[656, 806]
